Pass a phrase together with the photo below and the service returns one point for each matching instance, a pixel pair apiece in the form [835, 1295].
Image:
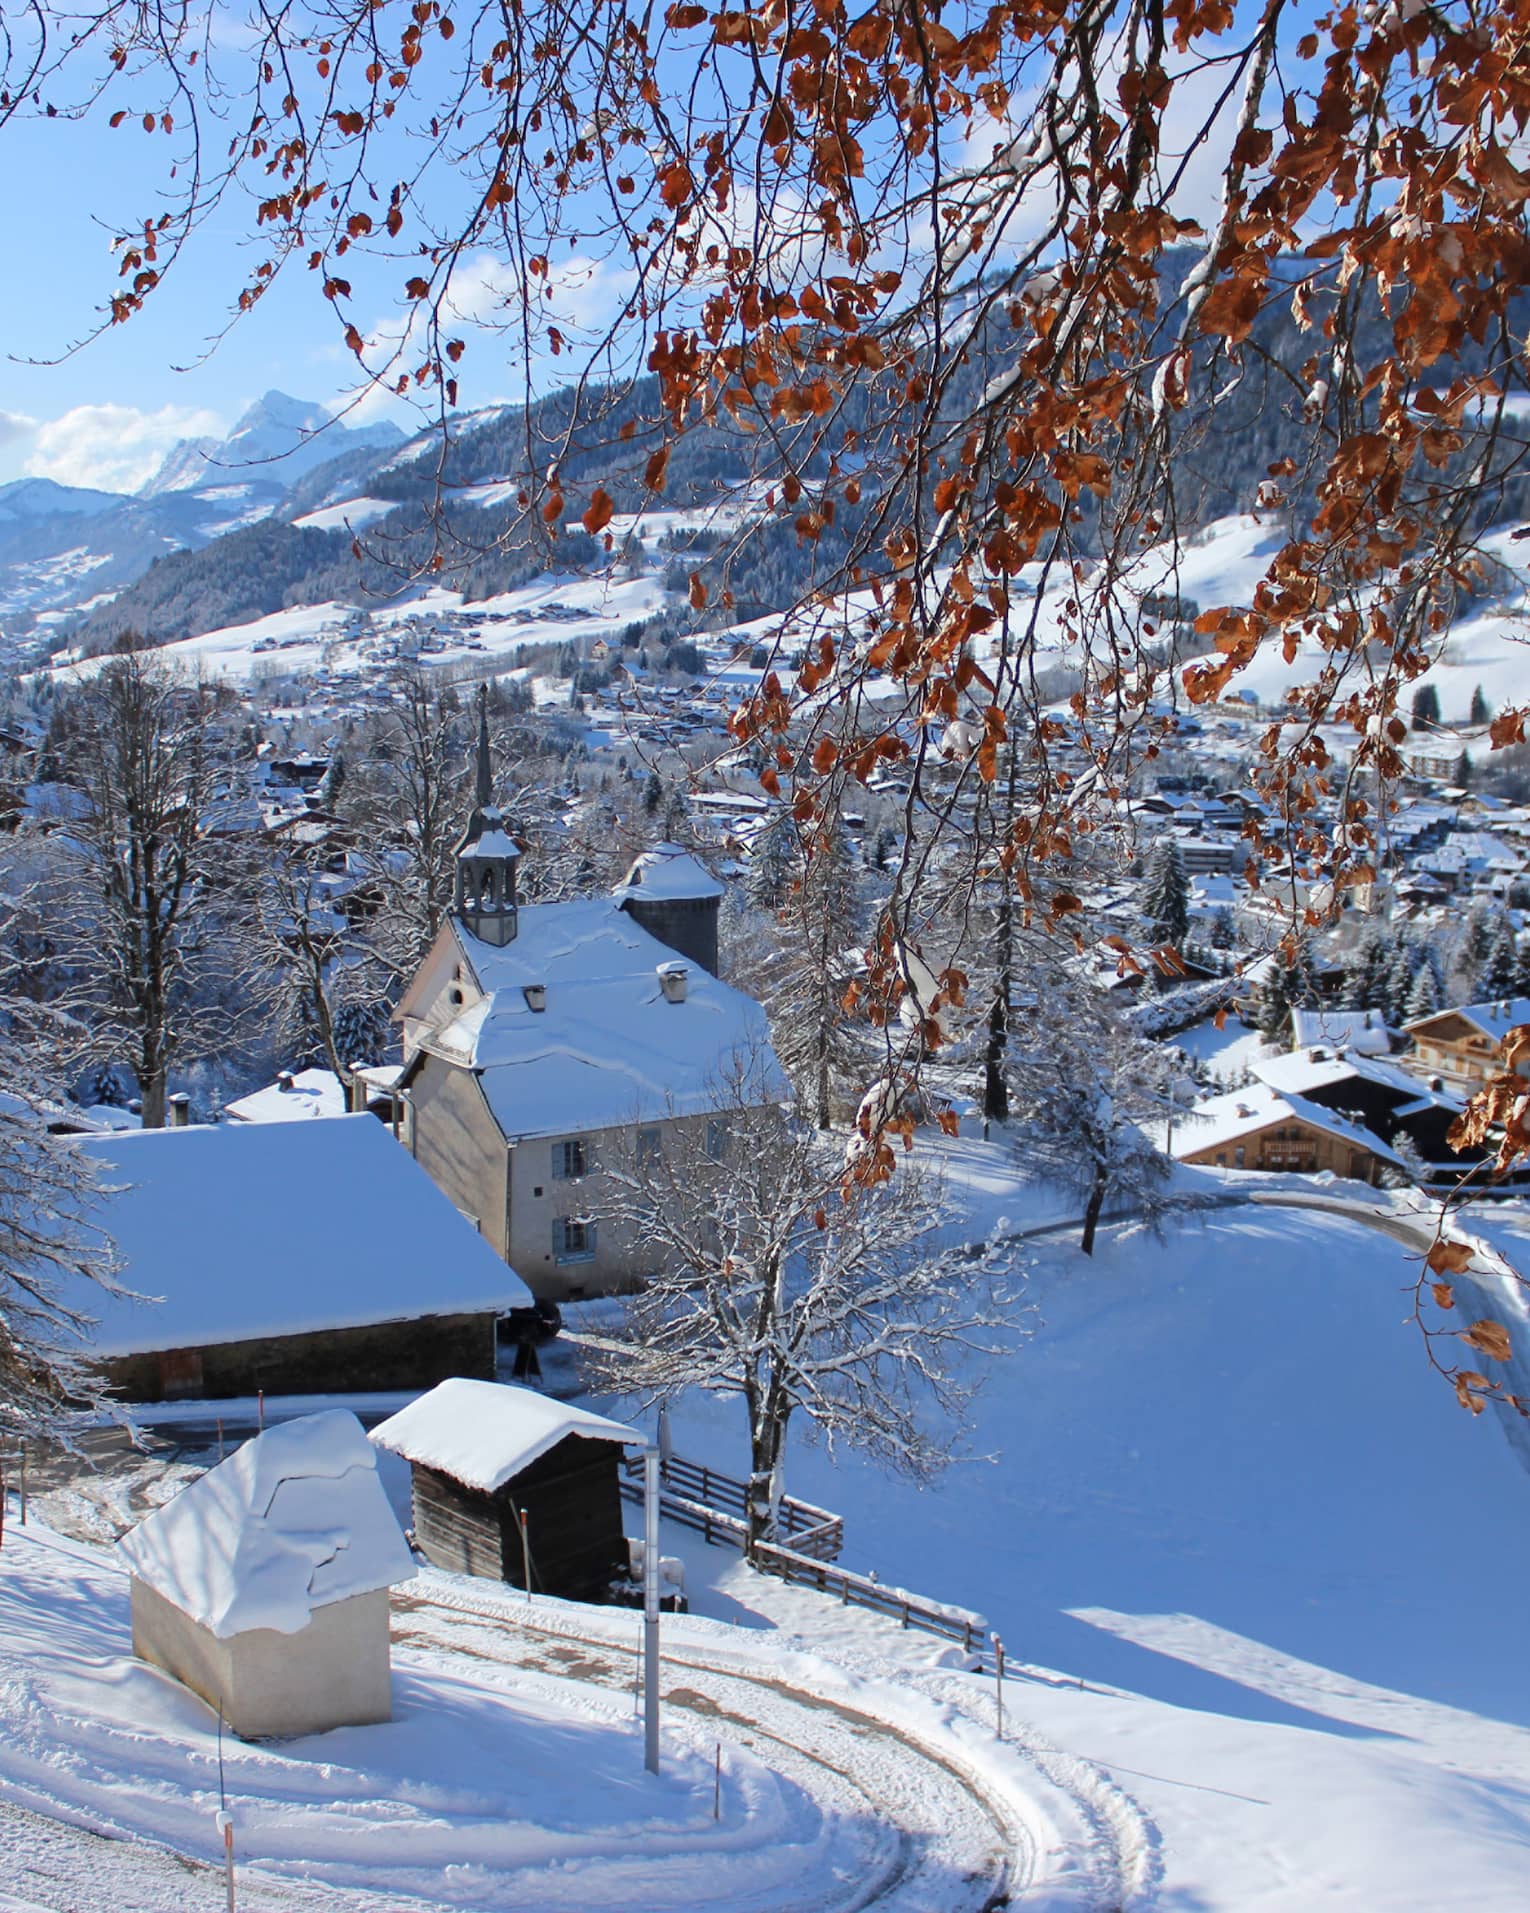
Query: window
[568, 1160]
[650, 1148]
[573, 1239]
[717, 1139]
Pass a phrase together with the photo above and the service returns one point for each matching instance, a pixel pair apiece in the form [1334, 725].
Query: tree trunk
[767, 1454]
[995, 1088]
[1093, 1207]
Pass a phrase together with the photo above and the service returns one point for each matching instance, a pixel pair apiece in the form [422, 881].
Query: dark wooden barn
[484, 1456]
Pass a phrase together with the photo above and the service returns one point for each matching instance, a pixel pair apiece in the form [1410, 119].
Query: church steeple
[486, 854]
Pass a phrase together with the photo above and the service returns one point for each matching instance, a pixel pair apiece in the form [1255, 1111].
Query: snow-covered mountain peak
[275, 441]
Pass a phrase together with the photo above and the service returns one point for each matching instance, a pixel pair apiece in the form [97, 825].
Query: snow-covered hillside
[1257, 1539]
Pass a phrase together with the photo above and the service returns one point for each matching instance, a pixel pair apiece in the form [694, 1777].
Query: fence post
[998, 1657]
[23, 1484]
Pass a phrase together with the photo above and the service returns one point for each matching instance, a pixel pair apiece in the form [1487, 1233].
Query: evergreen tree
[1500, 965]
[333, 782]
[1481, 712]
[772, 863]
[1165, 900]
[1399, 983]
[653, 794]
[1424, 996]
[1287, 985]
[1522, 968]
[809, 973]
[1464, 770]
[1426, 708]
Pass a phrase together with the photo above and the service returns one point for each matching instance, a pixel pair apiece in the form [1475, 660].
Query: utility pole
[651, 1609]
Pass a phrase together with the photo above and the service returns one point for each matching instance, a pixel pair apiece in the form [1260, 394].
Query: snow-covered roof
[1245, 1112]
[484, 1433]
[668, 873]
[1363, 1030]
[294, 1520]
[1494, 1020]
[257, 1229]
[608, 1048]
[310, 1093]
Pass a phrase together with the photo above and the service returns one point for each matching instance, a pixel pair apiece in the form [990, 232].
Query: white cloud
[16, 428]
[114, 447]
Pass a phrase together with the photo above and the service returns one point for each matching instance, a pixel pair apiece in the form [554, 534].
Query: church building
[545, 1044]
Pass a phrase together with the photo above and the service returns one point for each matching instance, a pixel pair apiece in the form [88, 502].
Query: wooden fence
[716, 1505]
[713, 1504]
[860, 1590]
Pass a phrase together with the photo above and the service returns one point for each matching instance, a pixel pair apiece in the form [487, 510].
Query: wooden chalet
[505, 1479]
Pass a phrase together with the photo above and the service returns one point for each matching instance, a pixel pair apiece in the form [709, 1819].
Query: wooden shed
[263, 1587]
[486, 1455]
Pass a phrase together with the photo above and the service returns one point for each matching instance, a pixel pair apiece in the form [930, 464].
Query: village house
[1460, 1046]
[298, 1258]
[547, 1044]
[1258, 1128]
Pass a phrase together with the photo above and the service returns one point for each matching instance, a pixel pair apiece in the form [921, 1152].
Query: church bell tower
[486, 855]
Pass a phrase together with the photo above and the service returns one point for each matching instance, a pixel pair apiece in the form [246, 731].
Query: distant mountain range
[65, 549]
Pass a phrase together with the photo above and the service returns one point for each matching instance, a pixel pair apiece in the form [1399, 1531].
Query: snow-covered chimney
[284, 1080]
[180, 1109]
[673, 978]
[535, 995]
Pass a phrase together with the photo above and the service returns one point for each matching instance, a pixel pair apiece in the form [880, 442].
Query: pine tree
[1464, 770]
[772, 863]
[1399, 983]
[1287, 985]
[333, 782]
[1426, 708]
[1522, 968]
[1500, 965]
[1424, 996]
[1165, 900]
[1481, 711]
[808, 975]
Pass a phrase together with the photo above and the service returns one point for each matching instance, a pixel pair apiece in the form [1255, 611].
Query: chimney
[284, 1080]
[180, 1109]
[535, 995]
[673, 978]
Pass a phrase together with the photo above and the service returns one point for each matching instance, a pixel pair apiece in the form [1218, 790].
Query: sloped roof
[484, 1433]
[254, 1229]
[294, 1520]
[608, 1049]
[1494, 1020]
[1245, 1112]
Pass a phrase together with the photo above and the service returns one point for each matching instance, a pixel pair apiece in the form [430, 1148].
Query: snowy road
[511, 1774]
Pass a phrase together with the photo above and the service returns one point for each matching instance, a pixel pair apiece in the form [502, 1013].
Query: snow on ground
[1225, 1053]
[1246, 1554]
[349, 516]
[1228, 1498]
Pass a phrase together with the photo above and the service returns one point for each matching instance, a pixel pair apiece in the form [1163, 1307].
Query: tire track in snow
[1035, 1825]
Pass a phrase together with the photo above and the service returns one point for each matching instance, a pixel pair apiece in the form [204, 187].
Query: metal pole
[651, 1609]
[998, 1655]
[526, 1554]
